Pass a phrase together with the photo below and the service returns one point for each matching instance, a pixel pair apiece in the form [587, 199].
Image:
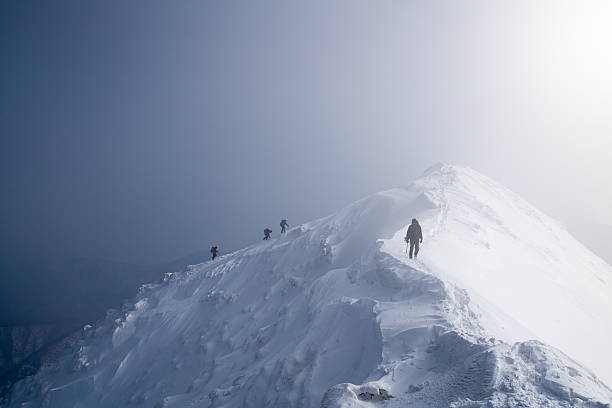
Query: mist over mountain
[502, 308]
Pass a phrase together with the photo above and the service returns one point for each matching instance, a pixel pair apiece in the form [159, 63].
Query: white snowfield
[334, 314]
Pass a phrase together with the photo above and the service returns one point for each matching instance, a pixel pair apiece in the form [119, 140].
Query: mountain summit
[503, 308]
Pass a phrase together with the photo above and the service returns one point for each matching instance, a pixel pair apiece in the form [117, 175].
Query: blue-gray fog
[142, 131]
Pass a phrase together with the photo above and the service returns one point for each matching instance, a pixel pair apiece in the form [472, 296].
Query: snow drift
[333, 314]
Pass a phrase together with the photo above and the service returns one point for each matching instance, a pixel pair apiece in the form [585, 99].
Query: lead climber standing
[414, 236]
[214, 251]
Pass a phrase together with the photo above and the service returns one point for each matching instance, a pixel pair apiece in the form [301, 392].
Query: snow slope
[333, 314]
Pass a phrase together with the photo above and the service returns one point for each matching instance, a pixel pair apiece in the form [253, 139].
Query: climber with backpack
[214, 251]
[267, 232]
[283, 225]
[414, 236]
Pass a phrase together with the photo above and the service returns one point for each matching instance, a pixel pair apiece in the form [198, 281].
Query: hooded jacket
[414, 232]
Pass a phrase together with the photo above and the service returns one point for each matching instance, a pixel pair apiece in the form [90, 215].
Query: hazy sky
[146, 130]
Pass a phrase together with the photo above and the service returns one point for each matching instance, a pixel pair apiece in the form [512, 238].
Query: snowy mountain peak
[334, 314]
[447, 173]
[441, 168]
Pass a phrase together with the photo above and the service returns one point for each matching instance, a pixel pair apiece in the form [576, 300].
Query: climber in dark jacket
[284, 224]
[414, 236]
[213, 251]
[267, 232]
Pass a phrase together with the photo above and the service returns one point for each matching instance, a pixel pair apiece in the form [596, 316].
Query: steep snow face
[518, 266]
[333, 314]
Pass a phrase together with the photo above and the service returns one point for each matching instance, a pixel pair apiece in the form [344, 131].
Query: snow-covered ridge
[333, 314]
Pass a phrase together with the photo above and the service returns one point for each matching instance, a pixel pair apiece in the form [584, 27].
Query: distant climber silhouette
[414, 236]
[283, 225]
[267, 232]
[213, 251]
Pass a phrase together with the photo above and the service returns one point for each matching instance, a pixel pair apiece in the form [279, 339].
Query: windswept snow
[333, 314]
[518, 266]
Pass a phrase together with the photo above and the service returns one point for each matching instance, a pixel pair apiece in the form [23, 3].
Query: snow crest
[333, 314]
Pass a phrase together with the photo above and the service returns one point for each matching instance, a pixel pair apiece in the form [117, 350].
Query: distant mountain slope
[333, 314]
[43, 302]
